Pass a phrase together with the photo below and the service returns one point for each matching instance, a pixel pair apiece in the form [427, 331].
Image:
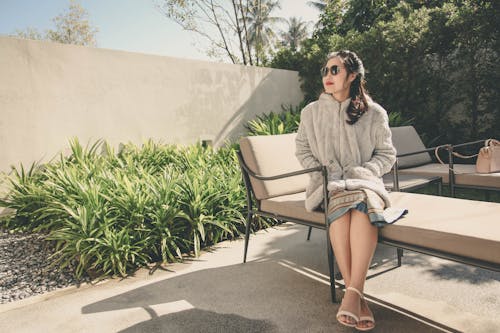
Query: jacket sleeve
[303, 148]
[384, 154]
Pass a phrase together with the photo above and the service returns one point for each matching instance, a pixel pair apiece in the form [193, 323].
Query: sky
[129, 25]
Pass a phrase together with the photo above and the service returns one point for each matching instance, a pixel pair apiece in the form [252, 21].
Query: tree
[29, 33]
[213, 21]
[319, 5]
[296, 33]
[239, 30]
[260, 23]
[72, 27]
[361, 15]
[331, 19]
[432, 61]
[474, 63]
[341, 16]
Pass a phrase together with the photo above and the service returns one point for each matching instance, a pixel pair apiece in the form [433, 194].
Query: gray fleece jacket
[356, 155]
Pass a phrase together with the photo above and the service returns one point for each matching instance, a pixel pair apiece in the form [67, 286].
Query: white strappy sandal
[349, 313]
[368, 319]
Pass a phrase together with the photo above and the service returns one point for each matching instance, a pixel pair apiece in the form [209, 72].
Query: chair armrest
[280, 176]
[427, 150]
[467, 143]
[452, 152]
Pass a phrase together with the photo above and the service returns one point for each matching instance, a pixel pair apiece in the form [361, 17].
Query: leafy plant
[163, 234]
[396, 119]
[111, 213]
[272, 123]
[417, 56]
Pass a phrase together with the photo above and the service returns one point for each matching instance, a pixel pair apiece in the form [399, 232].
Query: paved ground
[283, 288]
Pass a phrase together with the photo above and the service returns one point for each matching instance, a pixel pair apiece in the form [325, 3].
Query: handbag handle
[454, 153]
[436, 153]
[487, 143]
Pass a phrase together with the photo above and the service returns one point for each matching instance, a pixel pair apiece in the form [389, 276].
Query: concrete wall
[52, 92]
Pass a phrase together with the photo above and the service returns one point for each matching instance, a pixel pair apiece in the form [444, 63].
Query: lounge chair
[414, 160]
[461, 230]
[409, 183]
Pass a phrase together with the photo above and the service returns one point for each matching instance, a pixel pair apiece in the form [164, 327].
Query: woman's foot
[350, 308]
[366, 321]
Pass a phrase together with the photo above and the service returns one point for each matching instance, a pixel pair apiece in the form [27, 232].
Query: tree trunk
[226, 46]
[238, 30]
[243, 14]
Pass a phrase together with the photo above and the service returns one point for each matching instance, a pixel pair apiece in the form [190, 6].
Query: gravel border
[25, 267]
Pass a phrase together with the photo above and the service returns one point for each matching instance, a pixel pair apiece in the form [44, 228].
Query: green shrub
[396, 119]
[111, 213]
[418, 57]
[272, 123]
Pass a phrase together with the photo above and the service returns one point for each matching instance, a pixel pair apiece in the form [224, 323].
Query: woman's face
[337, 84]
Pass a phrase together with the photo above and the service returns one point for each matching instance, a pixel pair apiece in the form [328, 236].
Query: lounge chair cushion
[465, 174]
[406, 140]
[292, 205]
[463, 227]
[407, 181]
[436, 169]
[479, 179]
[271, 155]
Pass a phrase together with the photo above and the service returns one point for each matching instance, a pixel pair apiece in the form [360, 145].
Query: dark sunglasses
[334, 70]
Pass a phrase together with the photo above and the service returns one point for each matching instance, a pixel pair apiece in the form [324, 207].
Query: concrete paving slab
[282, 288]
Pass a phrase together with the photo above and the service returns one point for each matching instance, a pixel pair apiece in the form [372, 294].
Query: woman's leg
[354, 240]
[340, 239]
[363, 241]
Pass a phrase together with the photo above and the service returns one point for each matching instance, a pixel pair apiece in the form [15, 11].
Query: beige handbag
[488, 159]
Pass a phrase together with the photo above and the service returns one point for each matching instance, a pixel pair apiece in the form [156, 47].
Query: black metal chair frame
[247, 173]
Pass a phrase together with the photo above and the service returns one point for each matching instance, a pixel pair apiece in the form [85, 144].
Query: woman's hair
[358, 93]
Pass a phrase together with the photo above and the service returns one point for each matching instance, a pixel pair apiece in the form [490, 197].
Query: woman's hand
[359, 172]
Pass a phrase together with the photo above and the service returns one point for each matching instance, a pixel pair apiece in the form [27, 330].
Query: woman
[349, 133]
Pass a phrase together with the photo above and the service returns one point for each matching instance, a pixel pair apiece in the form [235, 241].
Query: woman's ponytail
[359, 101]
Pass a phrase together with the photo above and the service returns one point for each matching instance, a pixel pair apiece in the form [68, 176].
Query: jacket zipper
[340, 138]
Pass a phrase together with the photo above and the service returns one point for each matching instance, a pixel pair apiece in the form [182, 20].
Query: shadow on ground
[306, 253]
[286, 291]
[196, 320]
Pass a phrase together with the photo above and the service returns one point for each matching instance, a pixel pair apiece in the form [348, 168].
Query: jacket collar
[329, 99]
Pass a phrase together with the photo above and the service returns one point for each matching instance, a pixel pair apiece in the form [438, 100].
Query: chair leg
[309, 233]
[331, 267]
[440, 188]
[400, 255]
[247, 234]
[338, 274]
[452, 186]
